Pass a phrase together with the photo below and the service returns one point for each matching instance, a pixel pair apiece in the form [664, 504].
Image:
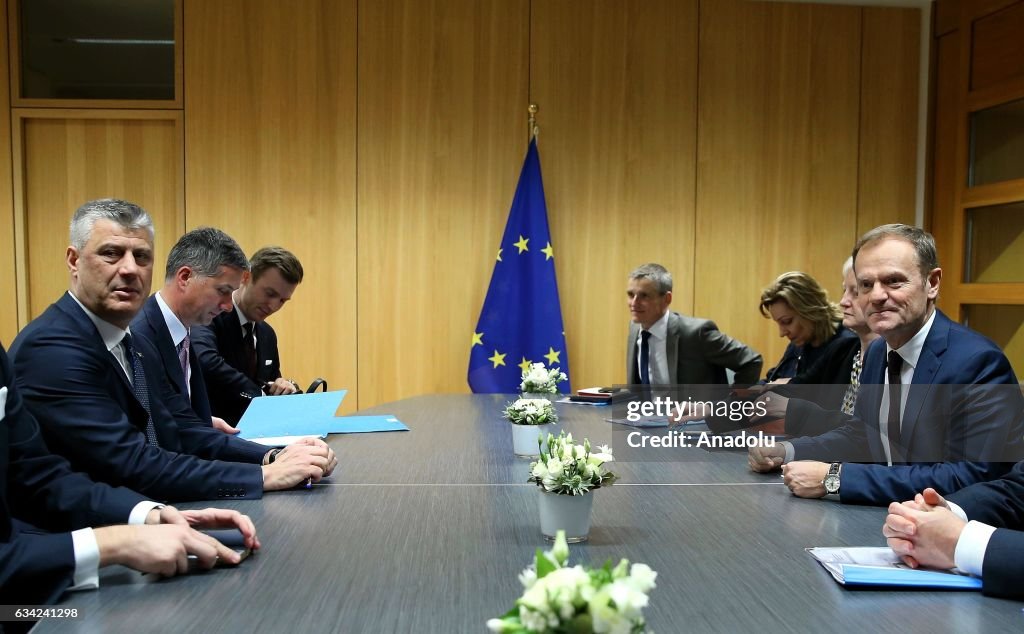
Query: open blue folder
[882, 567]
[307, 415]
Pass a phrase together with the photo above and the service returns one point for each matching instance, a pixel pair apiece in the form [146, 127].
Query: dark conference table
[427, 531]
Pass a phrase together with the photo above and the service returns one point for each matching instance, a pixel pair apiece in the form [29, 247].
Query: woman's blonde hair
[807, 298]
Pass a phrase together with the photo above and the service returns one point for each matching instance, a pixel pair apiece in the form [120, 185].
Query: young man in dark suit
[38, 490]
[938, 404]
[238, 351]
[101, 396]
[203, 269]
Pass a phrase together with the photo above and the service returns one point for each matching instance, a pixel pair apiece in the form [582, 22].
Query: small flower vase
[570, 513]
[524, 439]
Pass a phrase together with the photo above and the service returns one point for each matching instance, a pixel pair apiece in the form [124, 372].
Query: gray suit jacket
[698, 354]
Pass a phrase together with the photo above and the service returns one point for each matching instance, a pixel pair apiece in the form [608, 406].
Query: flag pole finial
[532, 109]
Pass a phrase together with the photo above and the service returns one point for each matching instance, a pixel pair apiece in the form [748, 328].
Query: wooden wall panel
[890, 56]
[616, 85]
[777, 155]
[65, 158]
[8, 247]
[944, 169]
[270, 158]
[442, 136]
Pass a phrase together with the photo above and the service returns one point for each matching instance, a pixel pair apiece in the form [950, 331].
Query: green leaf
[544, 565]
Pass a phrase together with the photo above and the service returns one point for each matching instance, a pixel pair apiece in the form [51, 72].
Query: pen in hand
[309, 483]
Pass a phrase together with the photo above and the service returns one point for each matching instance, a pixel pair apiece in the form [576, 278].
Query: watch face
[832, 484]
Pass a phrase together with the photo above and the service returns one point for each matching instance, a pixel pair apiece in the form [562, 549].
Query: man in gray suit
[666, 348]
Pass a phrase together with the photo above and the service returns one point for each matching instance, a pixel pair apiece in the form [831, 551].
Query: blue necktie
[645, 358]
[139, 386]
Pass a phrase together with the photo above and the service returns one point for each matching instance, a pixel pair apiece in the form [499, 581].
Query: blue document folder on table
[882, 567]
[307, 415]
[291, 415]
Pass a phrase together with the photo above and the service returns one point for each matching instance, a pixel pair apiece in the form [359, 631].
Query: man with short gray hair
[666, 348]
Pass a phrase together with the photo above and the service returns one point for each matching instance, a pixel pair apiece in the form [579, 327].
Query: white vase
[524, 439]
[570, 513]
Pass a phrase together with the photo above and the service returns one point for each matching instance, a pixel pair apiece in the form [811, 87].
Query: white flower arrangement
[570, 469]
[538, 380]
[557, 598]
[531, 411]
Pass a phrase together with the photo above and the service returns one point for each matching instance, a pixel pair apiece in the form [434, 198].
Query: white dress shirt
[178, 333]
[657, 359]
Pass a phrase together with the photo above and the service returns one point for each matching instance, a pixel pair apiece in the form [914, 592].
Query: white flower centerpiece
[566, 473]
[530, 418]
[557, 598]
[539, 380]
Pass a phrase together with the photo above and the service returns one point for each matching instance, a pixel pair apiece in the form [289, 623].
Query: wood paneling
[888, 117]
[1004, 324]
[944, 172]
[64, 158]
[616, 85]
[8, 277]
[777, 155]
[270, 158]
[946, 17]
[442, 135]
[997, 48]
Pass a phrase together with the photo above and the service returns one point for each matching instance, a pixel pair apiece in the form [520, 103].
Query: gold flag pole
[533, 108]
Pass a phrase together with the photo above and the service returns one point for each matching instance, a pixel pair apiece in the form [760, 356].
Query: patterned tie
[249, 350]
[183, 351]
[894, 366]
[645, 358]
[139, 386]
[850, 398]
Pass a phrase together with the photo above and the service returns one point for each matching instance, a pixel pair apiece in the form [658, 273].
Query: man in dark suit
[100, 394]
[979, 529]
[666, 348]
[238, 351]
[203, 269]
[38, 490]
[938, 405]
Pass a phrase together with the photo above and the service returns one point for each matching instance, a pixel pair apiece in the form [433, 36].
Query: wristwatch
[831, 480]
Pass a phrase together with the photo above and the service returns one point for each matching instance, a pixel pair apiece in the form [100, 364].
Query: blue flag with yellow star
[521, 320]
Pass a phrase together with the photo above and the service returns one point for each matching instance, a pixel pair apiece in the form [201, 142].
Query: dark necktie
[249, 350]
[183, 352]
[645, 358]
[894, 366]
[139, 386]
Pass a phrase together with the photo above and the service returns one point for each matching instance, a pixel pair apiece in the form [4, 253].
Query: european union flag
[521, 320]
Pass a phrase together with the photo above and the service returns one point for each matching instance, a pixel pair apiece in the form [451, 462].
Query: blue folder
[291, 415]
[308, 415]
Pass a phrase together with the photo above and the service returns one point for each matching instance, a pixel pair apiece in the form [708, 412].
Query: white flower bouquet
[538, 380]
[571, 469]
[557, 598]
[531, 411]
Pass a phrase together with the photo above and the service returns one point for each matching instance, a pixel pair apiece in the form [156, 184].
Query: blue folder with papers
[307, 415]
[869, 566]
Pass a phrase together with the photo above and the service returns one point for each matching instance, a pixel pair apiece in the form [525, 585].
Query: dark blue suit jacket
[84, 403]
[999, 503]
[39, 489]
[149, 323]
[219, 349]
[962, 422]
